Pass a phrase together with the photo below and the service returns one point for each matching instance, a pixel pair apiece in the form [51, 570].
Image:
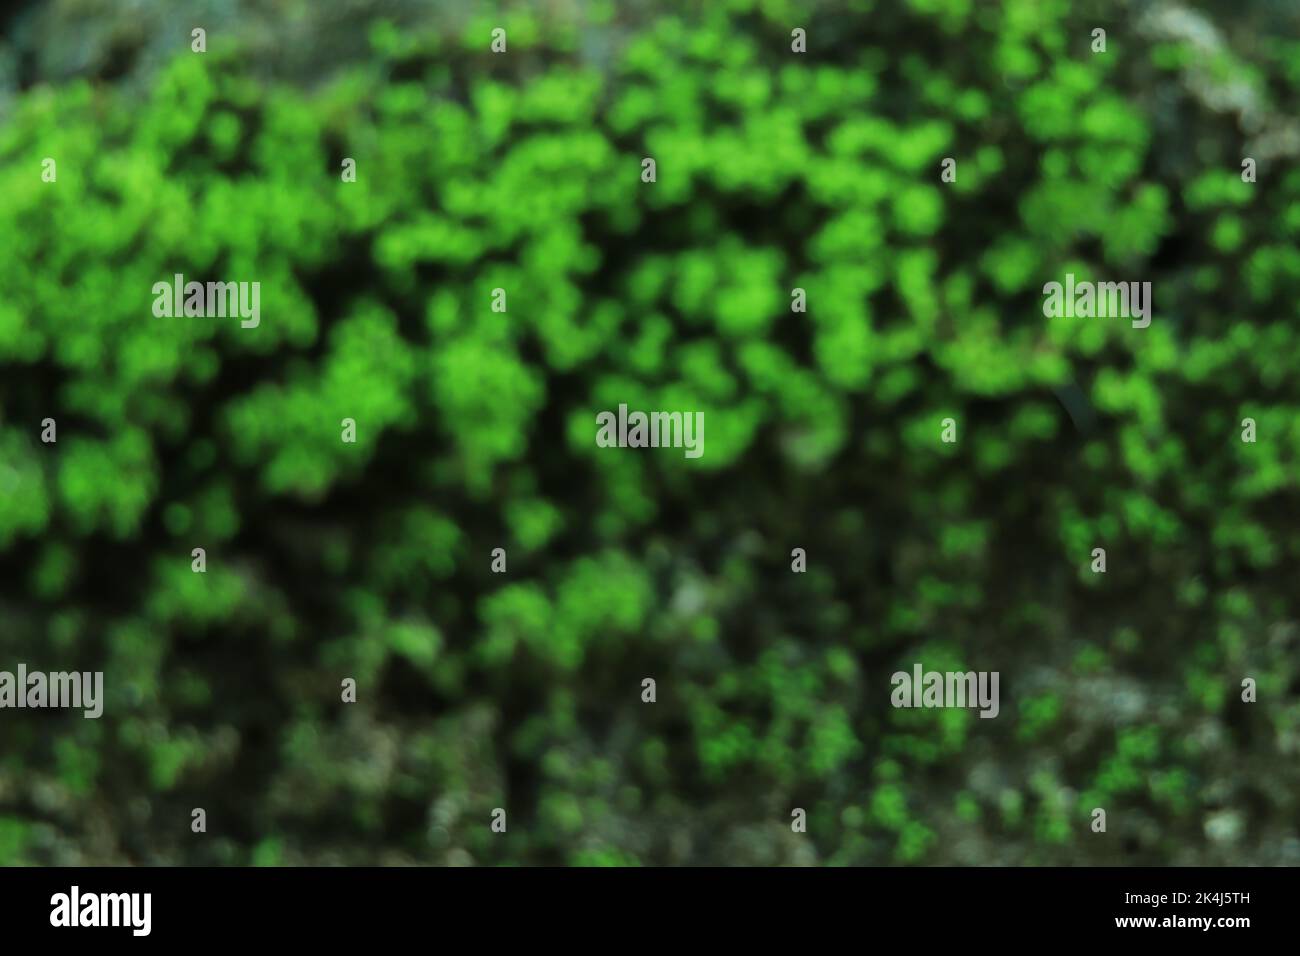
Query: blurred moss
[475, 430]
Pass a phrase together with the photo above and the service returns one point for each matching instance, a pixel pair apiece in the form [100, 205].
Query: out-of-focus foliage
[476, 431]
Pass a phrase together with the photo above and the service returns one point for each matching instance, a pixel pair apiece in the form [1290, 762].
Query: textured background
[476, 431]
